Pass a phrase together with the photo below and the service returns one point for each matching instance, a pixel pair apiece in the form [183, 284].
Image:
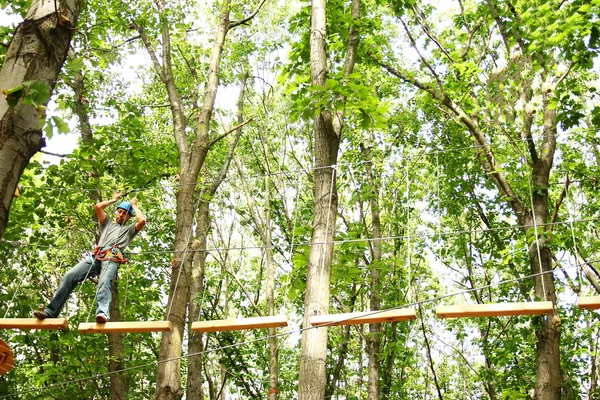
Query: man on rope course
[114, 237]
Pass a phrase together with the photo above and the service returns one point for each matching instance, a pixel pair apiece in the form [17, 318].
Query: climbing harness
[110, 253]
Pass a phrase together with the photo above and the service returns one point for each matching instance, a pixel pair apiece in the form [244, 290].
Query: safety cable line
[299, 330]
[404, 237]
[419, 154]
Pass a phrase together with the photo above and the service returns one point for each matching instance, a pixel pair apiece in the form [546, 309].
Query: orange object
[7, 358]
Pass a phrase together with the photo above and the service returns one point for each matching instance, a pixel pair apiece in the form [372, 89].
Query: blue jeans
[107, 270]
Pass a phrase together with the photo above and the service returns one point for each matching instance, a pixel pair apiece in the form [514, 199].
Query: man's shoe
[101, 319]
[40, 314]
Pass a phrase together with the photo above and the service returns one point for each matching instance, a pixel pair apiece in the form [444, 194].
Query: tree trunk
[342, 350]
[116, 362]
[194, 389]
[168, 379]
[37, 53]
[313, 352]
[195, 345]
[593, 367]
[273, 345]
[374, 337]
[548, 377]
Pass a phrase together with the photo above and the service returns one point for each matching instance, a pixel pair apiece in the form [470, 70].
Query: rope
[288, 333]
[420, 153]
[400, 237]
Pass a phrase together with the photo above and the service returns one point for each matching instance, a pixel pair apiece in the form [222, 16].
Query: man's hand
[116, 195]
[139, 216]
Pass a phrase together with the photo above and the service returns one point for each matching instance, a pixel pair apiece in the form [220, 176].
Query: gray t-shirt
[112, 234]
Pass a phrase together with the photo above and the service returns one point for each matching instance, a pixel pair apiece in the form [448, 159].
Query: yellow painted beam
[239, 324]
[126, 327]
[367, 317]
[495, 309]
[590, 303]
[33, 323]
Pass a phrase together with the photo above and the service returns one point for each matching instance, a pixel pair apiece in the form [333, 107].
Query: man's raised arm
[140, 219]
[99, 208]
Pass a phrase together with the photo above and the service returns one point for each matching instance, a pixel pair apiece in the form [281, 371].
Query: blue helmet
[127, 207]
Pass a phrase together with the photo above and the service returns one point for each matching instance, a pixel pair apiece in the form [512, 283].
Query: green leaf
[75, 65]
[39, 92]
[61, 125]
[13, 95]
[48, 129]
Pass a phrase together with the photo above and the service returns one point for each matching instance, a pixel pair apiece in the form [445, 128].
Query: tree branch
[235, 128]
[233, 24]
[423, 59]
[157, 67]
[563, 194]
[489, 162]
[422, 23]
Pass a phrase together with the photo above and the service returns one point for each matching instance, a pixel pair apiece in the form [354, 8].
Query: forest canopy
[305, 159]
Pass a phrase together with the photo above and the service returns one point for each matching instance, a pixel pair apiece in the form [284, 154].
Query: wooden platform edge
[365, 317]
[34, 323]
[589, 303]
[494, 309]
[220, 325]
[126, 327]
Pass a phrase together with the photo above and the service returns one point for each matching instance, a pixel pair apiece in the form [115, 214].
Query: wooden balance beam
[495, 309]
[126, 327]
[239, 324]
[33, 323]
[366, 317]
[589, 303]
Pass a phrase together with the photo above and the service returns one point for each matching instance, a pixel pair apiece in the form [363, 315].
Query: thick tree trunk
[548, 376]
[195, 345]
[168, 379]
[36, 52]
[194, 389]
[116, 362]
[313, 352]
[168, 375]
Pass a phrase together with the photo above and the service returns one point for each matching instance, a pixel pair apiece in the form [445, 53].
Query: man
[114, 237]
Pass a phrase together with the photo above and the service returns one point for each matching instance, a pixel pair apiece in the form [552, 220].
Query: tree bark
[313, 352]
[548, 376]
[266, 237]
[36, 52]
[194, 377]
[374, 337]
[116, 361]
[168, 379]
